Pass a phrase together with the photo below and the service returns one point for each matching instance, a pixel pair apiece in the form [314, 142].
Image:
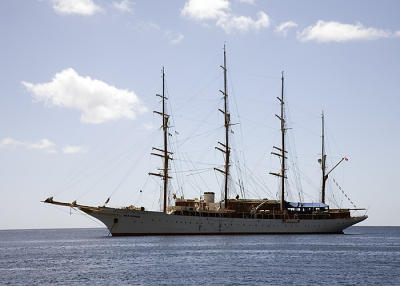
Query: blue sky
[78, 82]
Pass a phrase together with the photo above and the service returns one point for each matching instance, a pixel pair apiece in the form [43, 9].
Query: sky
[78, 81]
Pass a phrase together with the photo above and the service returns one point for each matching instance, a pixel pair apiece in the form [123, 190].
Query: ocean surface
[361, 256]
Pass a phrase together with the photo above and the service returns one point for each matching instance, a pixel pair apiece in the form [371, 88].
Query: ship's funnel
[209, 197]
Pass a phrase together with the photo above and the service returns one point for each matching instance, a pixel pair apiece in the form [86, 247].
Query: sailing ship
[230, 215]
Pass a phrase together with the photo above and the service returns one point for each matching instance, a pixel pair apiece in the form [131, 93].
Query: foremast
[281, 149]
[165, 154]
[225, 146]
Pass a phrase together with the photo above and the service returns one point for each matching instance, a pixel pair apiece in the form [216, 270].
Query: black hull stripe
[222, 233]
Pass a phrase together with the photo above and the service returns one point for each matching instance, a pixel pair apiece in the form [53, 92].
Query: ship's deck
[332, 214]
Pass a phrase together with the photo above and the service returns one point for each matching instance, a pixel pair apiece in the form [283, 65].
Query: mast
[283, 169]
[165, 153]
[282, 150]
[323, 160]
[225, 145]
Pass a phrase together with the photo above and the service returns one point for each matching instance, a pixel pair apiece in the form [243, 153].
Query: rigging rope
[173, 143]
[141, 191]
[340, 188]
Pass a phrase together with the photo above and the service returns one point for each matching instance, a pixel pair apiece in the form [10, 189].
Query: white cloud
[220, 11]
[397, 34]
[250, 2]
[205, 9]
[98, 101]
[283, 28]
[124, 6]
[10, 142]
[80, 7]
[324, 32]
[173, 38]
[44, 145]
[73, 149]
[243, 23]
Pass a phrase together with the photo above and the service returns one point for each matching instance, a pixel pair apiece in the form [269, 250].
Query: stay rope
[347, 197]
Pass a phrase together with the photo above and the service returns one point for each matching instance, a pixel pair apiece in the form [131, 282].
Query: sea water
[361, 256]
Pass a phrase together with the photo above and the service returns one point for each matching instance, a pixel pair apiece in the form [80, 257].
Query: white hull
[133, 222]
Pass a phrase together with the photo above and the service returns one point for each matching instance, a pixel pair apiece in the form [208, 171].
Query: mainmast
[282, 150]
[164, 152]
[225, 145]
[323, 160]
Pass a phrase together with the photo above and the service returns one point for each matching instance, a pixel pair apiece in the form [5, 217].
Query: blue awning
[306, 205]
